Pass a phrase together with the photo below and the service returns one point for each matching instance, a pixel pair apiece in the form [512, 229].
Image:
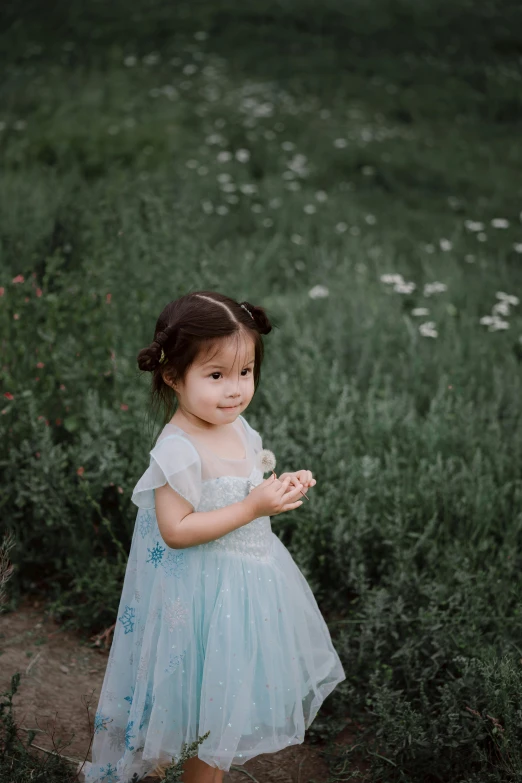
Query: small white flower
[482, 237]
[420, 311]
[341, 228]
[500, 307]
[517, 247]
[318, 292]
[274, 203]
[473, 225]
[391, 279]
[470, 258]
[368, 171]
[429, 248]
[310, 209]
[371, 220]
[321, 196]
[427, 329]
[207, 207]
[224, 177]
[192, 164]
[222, 209]
[297, 239]
[513, 300]
[340, 143]
[130, 61]
[404, 288]
[498, 324]
[445, 244]
[288, 146]
[242, 155]
[268, 222]
[434, 288]
[224, 156]
[500, 223]
[248, 189]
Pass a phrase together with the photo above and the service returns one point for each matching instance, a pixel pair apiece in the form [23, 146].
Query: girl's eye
[247, 369]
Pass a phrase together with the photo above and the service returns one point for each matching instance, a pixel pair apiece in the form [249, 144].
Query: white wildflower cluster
[434, 288]
[400, 286]
[494, 322]
[318, 292]
[428, 328]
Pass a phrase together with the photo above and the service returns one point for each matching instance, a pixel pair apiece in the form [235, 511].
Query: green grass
[111, 184]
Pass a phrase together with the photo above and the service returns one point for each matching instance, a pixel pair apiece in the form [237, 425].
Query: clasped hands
[300, 478]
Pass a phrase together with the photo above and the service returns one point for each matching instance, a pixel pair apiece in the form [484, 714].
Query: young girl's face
[219, 385]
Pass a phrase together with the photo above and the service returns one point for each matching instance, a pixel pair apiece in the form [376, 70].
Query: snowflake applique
[129, 698]
[110, 695]
[156, 554]
[174, 563]
[174, 661]
[109, 774]
[129, 736]
[137, 595]
[127, 619]
[176, 613]
[145, 522]
[100, 722]
[117, 738]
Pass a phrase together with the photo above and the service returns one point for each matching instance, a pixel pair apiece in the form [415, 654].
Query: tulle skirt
[223, 643]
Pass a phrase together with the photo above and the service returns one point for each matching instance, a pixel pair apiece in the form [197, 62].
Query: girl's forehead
[227, 353]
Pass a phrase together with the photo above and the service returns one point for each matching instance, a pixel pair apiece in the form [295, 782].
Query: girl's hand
[303, 477]
[272, 497]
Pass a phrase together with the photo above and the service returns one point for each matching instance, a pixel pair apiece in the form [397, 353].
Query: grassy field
[355, 169]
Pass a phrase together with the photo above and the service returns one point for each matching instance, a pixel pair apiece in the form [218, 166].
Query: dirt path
[60, 677]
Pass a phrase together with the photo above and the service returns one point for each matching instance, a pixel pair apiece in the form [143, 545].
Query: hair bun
[260, 317]
[149, 358]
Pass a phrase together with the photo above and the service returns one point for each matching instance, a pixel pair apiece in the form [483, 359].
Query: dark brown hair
[190, 323]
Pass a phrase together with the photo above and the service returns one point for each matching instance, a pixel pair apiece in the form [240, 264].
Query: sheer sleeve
[174, 460]
[255, 437]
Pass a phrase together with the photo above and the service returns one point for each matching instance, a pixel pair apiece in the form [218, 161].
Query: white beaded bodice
[253, 539]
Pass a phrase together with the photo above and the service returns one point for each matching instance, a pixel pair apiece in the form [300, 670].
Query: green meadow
[354, 168]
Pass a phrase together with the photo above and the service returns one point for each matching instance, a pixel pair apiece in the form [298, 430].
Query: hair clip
[248, 311]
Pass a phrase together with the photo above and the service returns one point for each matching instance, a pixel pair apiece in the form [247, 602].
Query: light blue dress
[225, 636]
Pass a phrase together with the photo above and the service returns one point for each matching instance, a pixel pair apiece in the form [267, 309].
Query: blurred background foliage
[354, 167]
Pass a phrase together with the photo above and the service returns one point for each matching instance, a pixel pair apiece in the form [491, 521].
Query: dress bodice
[254, 538]
[209, 482]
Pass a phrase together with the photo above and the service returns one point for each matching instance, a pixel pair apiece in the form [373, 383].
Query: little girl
[217, 629]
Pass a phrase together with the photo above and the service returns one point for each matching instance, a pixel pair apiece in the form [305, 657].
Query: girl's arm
[181, 527]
